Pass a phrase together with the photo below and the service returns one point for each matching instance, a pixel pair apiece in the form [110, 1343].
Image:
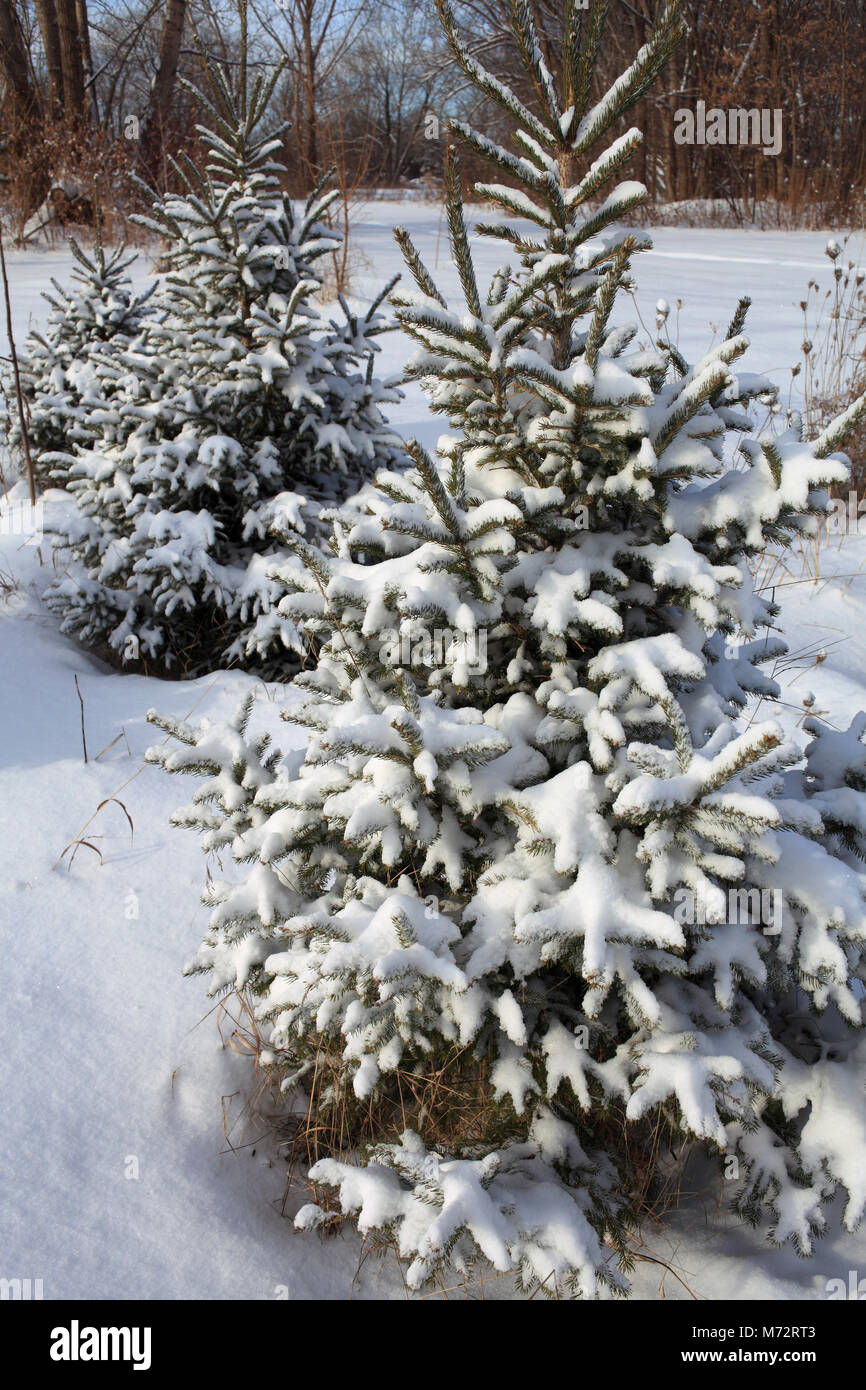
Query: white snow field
[121, 1099]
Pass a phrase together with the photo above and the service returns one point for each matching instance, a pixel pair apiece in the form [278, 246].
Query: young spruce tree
[531, 890]
[99, 311]
[237, 408]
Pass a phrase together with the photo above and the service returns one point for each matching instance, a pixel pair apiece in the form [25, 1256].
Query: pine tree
[239, 406]
[98, 312]
[532, 893]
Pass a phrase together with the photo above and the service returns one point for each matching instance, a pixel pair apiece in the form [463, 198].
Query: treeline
[90, 89]
[802, 59]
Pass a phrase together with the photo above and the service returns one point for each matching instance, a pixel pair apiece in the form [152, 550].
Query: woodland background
[91, 90]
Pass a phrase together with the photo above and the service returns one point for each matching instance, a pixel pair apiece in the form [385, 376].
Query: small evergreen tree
[238, 407]
[531, 892]
[98, 312]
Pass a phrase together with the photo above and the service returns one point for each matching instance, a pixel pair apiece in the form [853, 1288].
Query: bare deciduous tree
[20, 94]
[46, 16]
[71, 58]
[315, 36]
[164, 83]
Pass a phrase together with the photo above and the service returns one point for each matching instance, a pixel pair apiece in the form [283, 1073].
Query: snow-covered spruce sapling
[238, 407]
[531, 893]
[99, 312]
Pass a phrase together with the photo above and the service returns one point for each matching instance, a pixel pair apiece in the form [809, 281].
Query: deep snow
[119, 1181]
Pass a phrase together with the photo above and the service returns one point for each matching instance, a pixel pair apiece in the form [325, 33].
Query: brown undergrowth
[307, 1107]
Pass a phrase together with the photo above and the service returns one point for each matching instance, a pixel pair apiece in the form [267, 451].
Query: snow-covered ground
[128, 1168]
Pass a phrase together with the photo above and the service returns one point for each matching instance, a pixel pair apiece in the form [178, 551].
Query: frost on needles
[237, 407]
[461, 909]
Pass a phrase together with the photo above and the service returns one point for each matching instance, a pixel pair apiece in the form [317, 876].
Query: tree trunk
[71, 59]
[86, 58]
[311, 117]
[46, 14]
[163, 85]
[20, 93]
[23, 111]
